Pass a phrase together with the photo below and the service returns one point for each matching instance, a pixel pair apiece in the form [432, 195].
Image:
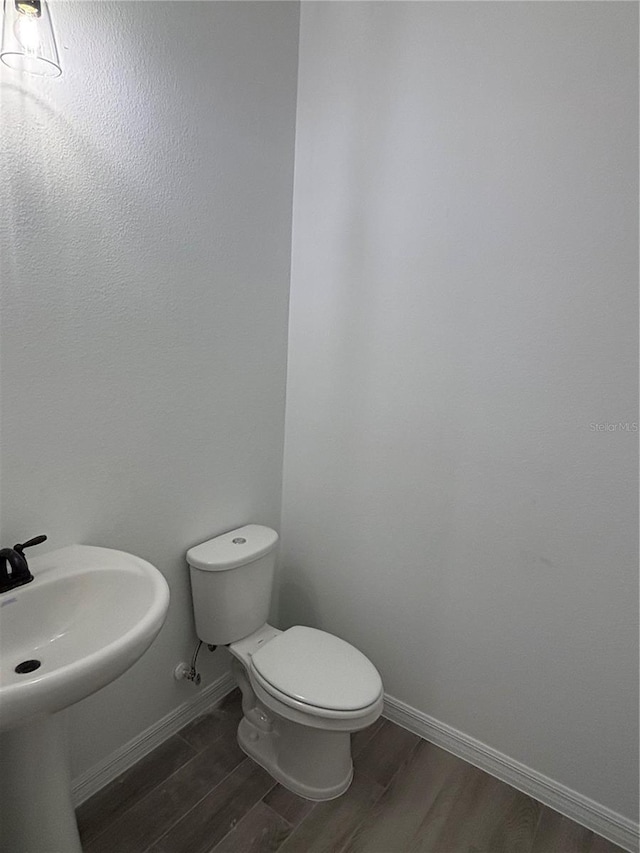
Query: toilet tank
[231, 581]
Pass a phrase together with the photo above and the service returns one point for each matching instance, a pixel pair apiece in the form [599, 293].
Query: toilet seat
[317, 673]
[309, 715]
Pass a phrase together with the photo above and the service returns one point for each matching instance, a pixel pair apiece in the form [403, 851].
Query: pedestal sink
[87, 616]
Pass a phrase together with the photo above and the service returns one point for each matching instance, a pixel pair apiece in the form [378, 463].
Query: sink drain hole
[27, 666]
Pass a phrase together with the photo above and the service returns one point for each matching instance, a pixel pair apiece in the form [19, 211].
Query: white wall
[463, 309]
[146, 222]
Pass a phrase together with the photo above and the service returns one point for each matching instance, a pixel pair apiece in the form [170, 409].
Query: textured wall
[463, 309]
[146, 220]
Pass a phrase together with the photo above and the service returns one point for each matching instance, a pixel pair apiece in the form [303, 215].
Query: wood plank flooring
[198, 793]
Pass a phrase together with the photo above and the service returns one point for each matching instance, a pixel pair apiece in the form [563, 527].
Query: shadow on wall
[295, 607]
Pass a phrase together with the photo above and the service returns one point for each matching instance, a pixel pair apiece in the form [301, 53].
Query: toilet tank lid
[235, 548]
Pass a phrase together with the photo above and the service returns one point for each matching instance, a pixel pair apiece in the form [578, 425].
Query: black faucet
[14, 570]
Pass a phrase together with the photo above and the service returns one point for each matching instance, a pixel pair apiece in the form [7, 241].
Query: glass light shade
[28, 42]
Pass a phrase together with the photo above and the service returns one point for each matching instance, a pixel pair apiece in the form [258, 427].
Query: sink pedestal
[35, 790]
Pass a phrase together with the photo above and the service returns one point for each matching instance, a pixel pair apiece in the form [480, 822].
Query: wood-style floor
[198, 793]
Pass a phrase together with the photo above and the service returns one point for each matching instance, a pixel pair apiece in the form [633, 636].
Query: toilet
[304, 691]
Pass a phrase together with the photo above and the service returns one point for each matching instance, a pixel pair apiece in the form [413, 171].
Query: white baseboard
[90, 782]
[596, 817]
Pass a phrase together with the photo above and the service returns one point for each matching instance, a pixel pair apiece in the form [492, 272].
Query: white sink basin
[87, 616]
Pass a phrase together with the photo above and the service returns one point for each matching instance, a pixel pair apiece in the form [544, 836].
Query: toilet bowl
[304, 691]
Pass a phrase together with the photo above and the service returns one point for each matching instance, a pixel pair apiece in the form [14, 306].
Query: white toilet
[303, 691]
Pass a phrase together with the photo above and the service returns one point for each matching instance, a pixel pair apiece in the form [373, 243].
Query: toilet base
[312, 763]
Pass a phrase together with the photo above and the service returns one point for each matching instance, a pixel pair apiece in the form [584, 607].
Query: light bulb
[26, 30]
[28, 41]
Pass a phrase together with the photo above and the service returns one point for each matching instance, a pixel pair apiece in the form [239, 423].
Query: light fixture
[28, 42]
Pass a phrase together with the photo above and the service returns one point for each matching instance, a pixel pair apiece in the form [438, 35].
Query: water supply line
[190, 673]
